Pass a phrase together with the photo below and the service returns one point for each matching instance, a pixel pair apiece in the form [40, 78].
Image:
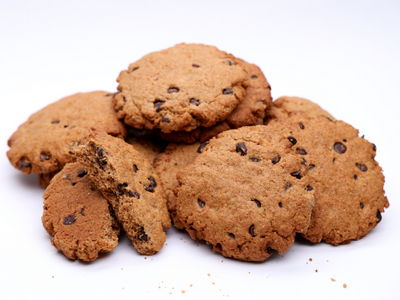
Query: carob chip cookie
[282, 106]
[174, 158]
[254, 107]
[77, 216]
[348, 182]
[245, 194]
[45, 143]
[180, 88]
[130, 183]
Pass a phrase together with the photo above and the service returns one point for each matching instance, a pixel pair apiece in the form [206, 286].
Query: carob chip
[254, 159]
[142, 236]
[379, 216]
[231, 235]
[310, 167]
[195, 66]
[69, 220]
[301, 126]
[229, 62]
[55, 122]
[292, 140]
[24, 164]
[373, 147]
[296, 174]
[153, 184]
[81, 173]
[121, 188]
[362, 167]
[362, 205]
[44, 157]
[280, 204]
[200, 203]
[135, 168]
[304, 161]
[166, 120]
[135, 195]
[100, 152]
[339, 148]
[227, 91]
[301, 151]
[258, 203]
[195, 102]
[201, 147]
[269, 250]
[276, 159]
[328, 118]
[251, 231]
[288, 186]
[157, 104]
[309, 188]
[241, 148]
[254, 77]
[355, 177]
[173, 90]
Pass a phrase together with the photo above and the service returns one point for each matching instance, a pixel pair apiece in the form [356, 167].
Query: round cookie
[282, 106]
[77, 216]
[45, 142]
[256, 103]
[348, 182]
[167, 165]
[246, 194]
[131, 185]
[180, 88]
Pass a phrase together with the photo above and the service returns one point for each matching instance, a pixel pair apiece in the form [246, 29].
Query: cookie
[167, 165]
[146, 147]
[45, 143]
[45, 178]
[77, 216]
[131, 185]
[246, 194]
[282, 106]
[180, 88]
[256, 103]
[348, 182]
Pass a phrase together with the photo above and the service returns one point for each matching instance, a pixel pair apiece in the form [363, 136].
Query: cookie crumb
[208, 274]
[310, 259]
[333, 279]
[306, 263]
[122, 268]
[183, 291]
[213, 283]
[191, 285]
[327, 261]
[170, 292]
[249, 272]
[222, 261]
[197, 245]
[159, 287]
[344, 285]
[52, 276]
[316, 271]
[181, 239]
[123, 288]
[145, 258]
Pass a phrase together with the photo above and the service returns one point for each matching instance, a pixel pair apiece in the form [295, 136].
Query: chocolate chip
[251, 231]
[258, 203]
[288, 186]
[379, 216]
[201, 147]
[292, 140]
[363, 136]
[200, 203]
[153, 184]
[304, 161]
[73, 184]
[333, 160]
[93, 189]
[301, 151]
[269, 250]
[44, 157]
[195, 66]
[81, 212]
[116, 93]
[72, 127]
[166, 120]
[173, 90]
[355, 177]
[276, 159]
[227, 91]
[134, 69]
[231, 235]
[157, 105]
[69, 220]
[345, 140]
[135, 168]
[280, 204]
[373, 147]
[328, 118]
[310, 167]
[254, 159]
[362, 167]
[296, 174]
[55, 122]
[142, 236]
[65, 126]
[24, 164]
[362, 205]
[68, 177]
[121, 188]
[101, 163]
[100, 152]
[132, 194]
[123, 99]
[254, 77]
[301, 126]
[229, 62]
[81, 173]
[195, 102]
[309, 188]
[241, 148]
[339, 148]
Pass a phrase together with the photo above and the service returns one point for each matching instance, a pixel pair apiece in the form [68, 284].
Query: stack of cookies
[192, 135]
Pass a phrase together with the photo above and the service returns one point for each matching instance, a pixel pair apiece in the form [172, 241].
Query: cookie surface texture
[167, 165]
[45, 142]
[180, 88]
[282, 106]
[348, 182]
[130, 183]
[245, 194]
[77, 216]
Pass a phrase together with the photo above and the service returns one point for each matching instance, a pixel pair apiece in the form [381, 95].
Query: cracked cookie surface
[348, 182]
[131, 185]
[246, 194]
[180, 88]
[77, 216]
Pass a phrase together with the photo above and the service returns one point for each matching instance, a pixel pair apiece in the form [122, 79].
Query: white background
[344, 55]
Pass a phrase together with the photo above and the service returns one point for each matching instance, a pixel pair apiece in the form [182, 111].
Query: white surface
[344, 55]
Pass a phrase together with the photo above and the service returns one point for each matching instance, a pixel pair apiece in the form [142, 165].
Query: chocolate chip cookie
[77, 216]
[246, 194]
[132, 187]
[45, 143]
[180, 88]
[348, 182]
[282, 106]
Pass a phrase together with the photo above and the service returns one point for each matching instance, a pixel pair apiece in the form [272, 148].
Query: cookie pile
[192, 135]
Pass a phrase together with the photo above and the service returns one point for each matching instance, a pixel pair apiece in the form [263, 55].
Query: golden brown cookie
[282, 106]
[77, 216]
[45, 143]
[348, 182]
[167, 165]
[246, 194]
[129, 182]
[180, 88]
[254, 107]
